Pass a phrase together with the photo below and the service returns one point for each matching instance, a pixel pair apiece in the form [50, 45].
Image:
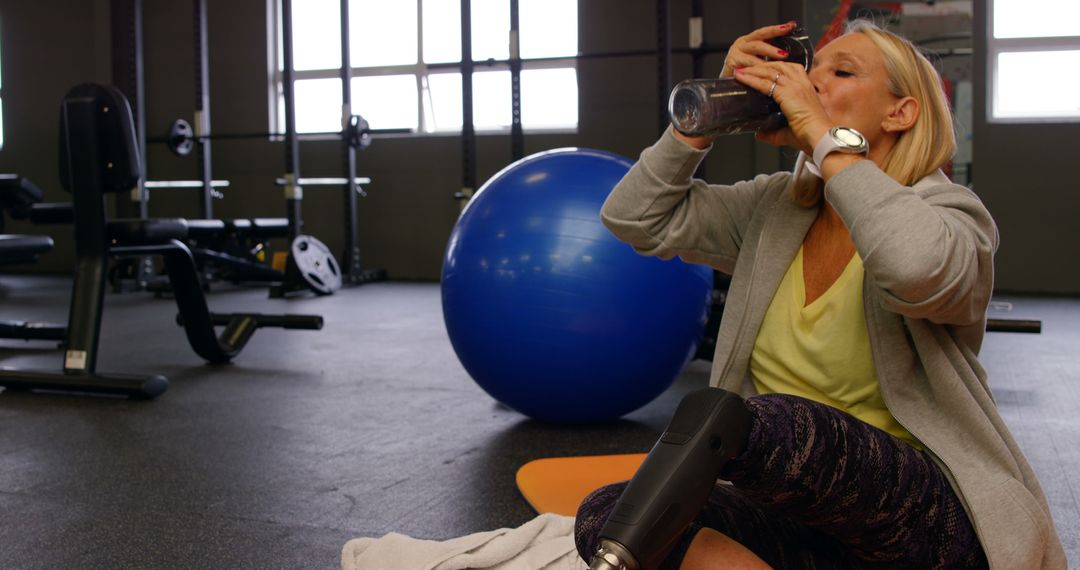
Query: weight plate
[315, 264]
[358, 132]
[181, 138]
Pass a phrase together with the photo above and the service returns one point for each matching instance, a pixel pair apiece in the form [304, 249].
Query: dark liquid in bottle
[712, 107]
[723, 106]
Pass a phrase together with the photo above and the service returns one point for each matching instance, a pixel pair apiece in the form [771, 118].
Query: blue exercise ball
[548, 312]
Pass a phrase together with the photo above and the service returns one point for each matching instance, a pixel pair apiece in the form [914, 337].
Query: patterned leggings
[818, 488]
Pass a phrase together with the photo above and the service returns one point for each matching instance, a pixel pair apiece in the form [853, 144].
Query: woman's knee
[592, 515]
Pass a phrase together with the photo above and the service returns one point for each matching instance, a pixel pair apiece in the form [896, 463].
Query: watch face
[848, 137]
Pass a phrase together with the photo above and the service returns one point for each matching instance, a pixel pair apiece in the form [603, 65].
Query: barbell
[181, 136]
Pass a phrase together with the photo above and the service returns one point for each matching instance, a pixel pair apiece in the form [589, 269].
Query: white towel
[546, 542]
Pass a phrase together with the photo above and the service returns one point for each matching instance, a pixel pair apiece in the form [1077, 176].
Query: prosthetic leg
[709, 428]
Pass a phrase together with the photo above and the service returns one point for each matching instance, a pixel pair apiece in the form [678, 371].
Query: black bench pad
[23, 249]
[129, 232]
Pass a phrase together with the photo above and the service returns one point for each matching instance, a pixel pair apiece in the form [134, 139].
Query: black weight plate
[358, 132]
[181, 138]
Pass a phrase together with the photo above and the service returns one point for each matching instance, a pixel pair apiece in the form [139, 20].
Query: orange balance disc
[558, 484]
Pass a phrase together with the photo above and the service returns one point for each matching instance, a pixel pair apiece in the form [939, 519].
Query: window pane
[548, 28]
[386, 101]
[549, 98]
[1030, 84]
[491, 100]
[442, 31]
[318, 105]
[444, 105]
[383, 32]
[316, 34]
[490, 29]
[1036, 18]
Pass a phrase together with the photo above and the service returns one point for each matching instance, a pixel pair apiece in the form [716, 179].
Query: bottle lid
[799, 47]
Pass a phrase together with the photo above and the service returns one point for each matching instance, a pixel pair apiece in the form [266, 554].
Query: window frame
[420, 70]
[996, 46]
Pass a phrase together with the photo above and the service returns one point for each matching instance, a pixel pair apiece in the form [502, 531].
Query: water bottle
[723, 106]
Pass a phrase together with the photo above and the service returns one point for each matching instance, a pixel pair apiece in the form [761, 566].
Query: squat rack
[697, 50]
[352, 271]
[129, 76]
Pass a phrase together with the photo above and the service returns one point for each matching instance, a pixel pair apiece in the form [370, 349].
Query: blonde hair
[931, 141]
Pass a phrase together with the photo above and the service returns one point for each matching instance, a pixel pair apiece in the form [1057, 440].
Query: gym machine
[228, 249]
[98, 156]
[315, 266]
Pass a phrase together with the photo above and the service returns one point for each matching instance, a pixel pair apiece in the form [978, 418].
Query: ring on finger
[773, 88]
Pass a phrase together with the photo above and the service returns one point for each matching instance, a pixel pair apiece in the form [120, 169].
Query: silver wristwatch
[840, 139]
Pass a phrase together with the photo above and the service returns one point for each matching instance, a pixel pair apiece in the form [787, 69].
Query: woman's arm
[661, 210]
[930, 248]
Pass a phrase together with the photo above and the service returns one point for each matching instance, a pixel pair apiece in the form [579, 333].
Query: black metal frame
[517, 134]
[663, 62]
[294, 193]
[353, 267]
[128, 73]
[468, 130]
[202, 111]
[353, 271]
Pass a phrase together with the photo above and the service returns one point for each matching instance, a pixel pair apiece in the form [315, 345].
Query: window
[403, 55]
[1033, 47]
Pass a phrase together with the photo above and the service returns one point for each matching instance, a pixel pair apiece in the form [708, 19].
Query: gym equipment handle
[1013, 325]
[295, 322]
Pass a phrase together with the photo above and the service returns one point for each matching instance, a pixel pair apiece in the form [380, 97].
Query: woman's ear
[902, 116]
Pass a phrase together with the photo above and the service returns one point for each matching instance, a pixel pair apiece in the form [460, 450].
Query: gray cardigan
[928, 255]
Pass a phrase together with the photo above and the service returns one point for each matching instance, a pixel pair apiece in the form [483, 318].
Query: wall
[409, 211]
[43, 56]
[1023, 175]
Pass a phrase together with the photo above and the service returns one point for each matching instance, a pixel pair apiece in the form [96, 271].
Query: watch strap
[829, 144]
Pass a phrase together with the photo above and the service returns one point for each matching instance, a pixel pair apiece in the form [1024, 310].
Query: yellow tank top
[822, 351]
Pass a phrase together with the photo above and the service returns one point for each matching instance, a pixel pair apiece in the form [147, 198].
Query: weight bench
[261, 228]
[15, 249]
[225, 247]
[217, 243]
[17, 197]
[238, 229]
[98, 156]
[222, 247]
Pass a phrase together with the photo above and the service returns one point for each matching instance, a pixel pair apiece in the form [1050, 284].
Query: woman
[856, 312]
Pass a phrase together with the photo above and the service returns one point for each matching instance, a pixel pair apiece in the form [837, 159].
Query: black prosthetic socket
[710, 427]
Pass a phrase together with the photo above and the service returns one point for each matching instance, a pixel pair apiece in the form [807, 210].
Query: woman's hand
[790, 86]
[754, 48]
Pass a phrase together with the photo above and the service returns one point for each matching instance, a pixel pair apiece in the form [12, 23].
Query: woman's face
[849, 76]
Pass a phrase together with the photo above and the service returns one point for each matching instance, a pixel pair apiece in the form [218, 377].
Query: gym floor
[369, 426]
